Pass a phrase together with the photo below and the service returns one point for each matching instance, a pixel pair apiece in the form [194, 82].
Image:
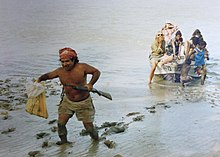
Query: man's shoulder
[82, 64]
[59, 69]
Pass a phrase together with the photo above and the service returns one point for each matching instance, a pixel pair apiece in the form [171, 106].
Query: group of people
[167, 47]
[72, 73]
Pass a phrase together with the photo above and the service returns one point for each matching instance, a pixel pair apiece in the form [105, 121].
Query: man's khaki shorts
[84, 109]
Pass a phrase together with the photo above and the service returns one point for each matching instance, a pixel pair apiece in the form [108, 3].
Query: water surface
[114, 36]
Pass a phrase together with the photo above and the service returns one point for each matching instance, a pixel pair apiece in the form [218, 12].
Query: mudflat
[184, 124]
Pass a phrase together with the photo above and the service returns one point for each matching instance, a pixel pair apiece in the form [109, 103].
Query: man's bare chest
[72, 77]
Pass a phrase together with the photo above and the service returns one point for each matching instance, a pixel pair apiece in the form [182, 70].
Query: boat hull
[171, 71]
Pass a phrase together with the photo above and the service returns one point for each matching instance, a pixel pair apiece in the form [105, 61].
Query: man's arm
[95, 75]
[48, 76]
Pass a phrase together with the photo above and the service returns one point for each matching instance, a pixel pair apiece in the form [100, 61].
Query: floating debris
[110, 144]
[151, 107]
[139, 118]
[84, 132]
[119, 128]
[5, 117]
[8, 130]
[54, 129]
[33, 153]
[42, 135]
[132, 113]
[167, 106]
[152, 111]
[6, 106]
[108, 124]
[45, 144]
[161, 103]
[52, 121]
[4, 113]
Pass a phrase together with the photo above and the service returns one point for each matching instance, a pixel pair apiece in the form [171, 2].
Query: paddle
[100, 93]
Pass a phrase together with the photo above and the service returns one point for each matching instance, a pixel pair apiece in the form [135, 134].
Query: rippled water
[115, 37]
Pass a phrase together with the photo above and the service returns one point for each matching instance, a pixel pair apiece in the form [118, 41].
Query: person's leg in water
[62, 131]
[203, 72]
[184, 71]
[91, 130]
[154, 65]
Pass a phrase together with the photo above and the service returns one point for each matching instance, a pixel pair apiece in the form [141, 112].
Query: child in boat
[197, 33]
[199, 55]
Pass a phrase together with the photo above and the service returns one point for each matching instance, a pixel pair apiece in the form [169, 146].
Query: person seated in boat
[177, 43]
[168, 30]
[157, 52]
[199, 55]
[172, 50]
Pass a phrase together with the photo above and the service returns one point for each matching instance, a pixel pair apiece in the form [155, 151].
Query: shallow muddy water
[167, 121]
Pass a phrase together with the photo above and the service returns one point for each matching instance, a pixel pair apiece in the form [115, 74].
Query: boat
[171, 71]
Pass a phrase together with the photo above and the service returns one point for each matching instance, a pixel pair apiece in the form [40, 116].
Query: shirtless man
[72, 73]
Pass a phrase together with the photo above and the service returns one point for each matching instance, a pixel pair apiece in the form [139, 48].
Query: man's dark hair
[178, 33]
[75, 59]
[195, 40]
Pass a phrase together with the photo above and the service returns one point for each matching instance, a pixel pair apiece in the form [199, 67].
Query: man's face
[67, 64]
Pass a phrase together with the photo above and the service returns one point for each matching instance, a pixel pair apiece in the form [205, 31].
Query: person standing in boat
[157, 52]
[189, 45]
[189, 51]
[72, 73]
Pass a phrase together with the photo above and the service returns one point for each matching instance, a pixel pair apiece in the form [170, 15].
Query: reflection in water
[93, 148]
[65, 150]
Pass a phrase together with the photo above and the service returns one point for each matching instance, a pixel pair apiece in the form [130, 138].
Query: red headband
[67, 53]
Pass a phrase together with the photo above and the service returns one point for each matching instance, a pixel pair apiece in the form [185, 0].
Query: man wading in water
[72, 73]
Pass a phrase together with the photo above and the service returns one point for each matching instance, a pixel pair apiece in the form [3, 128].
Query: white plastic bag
[34, 89]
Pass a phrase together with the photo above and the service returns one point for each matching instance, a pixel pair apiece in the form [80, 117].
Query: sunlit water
[114, 36]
